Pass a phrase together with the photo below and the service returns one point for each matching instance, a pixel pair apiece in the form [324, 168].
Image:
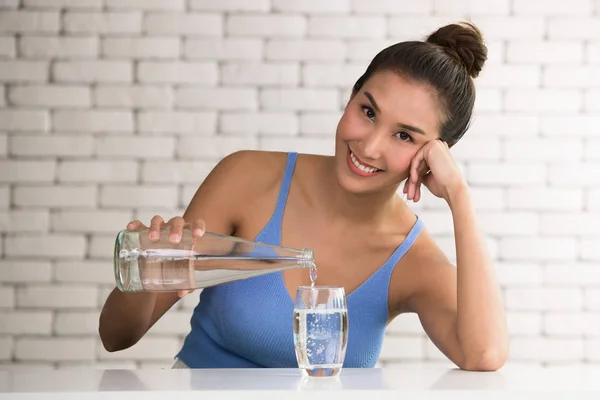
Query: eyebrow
[376, 107]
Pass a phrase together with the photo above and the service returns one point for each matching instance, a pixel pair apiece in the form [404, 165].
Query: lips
[359, 167]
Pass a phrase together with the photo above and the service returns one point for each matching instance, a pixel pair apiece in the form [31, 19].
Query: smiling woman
[414, 101]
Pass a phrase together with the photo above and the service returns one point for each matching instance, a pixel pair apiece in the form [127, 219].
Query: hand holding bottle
[176, 225]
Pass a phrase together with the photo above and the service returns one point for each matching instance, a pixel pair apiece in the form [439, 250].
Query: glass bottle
[144, 265]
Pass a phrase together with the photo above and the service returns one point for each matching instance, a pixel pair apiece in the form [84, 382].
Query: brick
[571, 76]
[114, 121]
[23, 71]
[3, 145]
[511, 274]
[263, 74]
[592, 299]
[488, 100]
[147, 348]
[224, 99]
[45, 4]
[178, 72]
[508, 223]
[53, 349]
[511, 27]
[54, 196]
[50, 96]
[544, 199]
[225, 49]
[231, 5]
[76, 323]
[547, 349]
[414, 27]
[106, 221]
[4, 197]
[6, 348]
[573, 27]
[177, 122]
[570, 224]
[146, 5]
[102, 248]
[141, 47]
[319, 123]
[549, 150]
[97, 272]
[487, 174]
[190, 301]
[24, 366]
[312, 6]
[172, 323]
[97, 171]
[592, 53]
[105, 23]
[176, 171]
[215, 147]
[18, 171]
[8, 47]
[145, 147]
[438, 222]
[405, 324]
[589, 249]
[26, 322]
[274, 25]
[300, 99]
[496, 52]
[592, 200]
[432, 352]
[403, 348]
[7, 297]
[544, 52]
[55, 145]
[543, 299]
[391, 7]
[467, 7]
[501, 76]
[524, 323]
[574, 175]
[543, 100]
[571, 274]
[577, 125]
[57, 296]
[592, 349]
[93, 71]
[506, 124]
[24, 221]
[146, 215]
[50, 245]
[576, 7]
[236, 123]
[331, 75]
[592, 100]
[138, 197]
[135, 96]
[17, 271]
[29, 21]
[347, 27]
[9, 4]
[210, 25]
[312, 145]
[538, 248]
[477, 149]
[305, 50]
[58, 47]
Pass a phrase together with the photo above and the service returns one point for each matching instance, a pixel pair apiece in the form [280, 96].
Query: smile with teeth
[360, 166]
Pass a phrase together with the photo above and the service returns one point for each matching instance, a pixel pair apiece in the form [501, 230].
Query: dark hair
[447, 61]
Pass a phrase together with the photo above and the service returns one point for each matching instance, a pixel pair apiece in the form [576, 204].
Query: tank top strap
[408, 241]
[285, 185]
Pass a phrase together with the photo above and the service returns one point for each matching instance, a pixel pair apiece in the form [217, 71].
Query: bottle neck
[306, 259]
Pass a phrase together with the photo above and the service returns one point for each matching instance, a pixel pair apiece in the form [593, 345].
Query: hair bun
[464, 43]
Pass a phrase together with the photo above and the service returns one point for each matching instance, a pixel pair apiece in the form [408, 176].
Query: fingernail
[154, 235]
[175, 237]
[197, 231]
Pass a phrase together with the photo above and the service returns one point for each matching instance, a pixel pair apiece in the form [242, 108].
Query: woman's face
[382, 128]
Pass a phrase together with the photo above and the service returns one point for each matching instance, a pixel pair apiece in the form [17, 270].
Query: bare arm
[126, 317]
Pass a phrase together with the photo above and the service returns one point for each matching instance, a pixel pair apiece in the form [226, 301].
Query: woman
[414, 101]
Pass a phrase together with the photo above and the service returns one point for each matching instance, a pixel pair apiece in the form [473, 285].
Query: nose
[371, 146]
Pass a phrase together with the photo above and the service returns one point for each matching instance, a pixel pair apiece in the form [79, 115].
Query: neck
[358, 208]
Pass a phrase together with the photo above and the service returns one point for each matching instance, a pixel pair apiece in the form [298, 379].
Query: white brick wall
[112, 110]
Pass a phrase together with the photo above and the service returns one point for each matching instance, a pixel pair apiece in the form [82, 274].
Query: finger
[418, 195]
[156, 223]
[198, 228]
[413, 176]
[176, 224]
[182, 293]
[135, 225]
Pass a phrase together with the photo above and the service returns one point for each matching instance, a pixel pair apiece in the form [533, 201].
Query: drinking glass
[320, 330]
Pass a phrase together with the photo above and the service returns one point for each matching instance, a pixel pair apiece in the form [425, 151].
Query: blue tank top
[248, 323]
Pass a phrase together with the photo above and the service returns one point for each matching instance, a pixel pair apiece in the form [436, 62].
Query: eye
[368, 112]
[404, 136]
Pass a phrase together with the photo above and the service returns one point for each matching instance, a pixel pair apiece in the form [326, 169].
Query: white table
[372, 384]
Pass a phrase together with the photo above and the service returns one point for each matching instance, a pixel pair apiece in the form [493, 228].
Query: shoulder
[423, 270]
